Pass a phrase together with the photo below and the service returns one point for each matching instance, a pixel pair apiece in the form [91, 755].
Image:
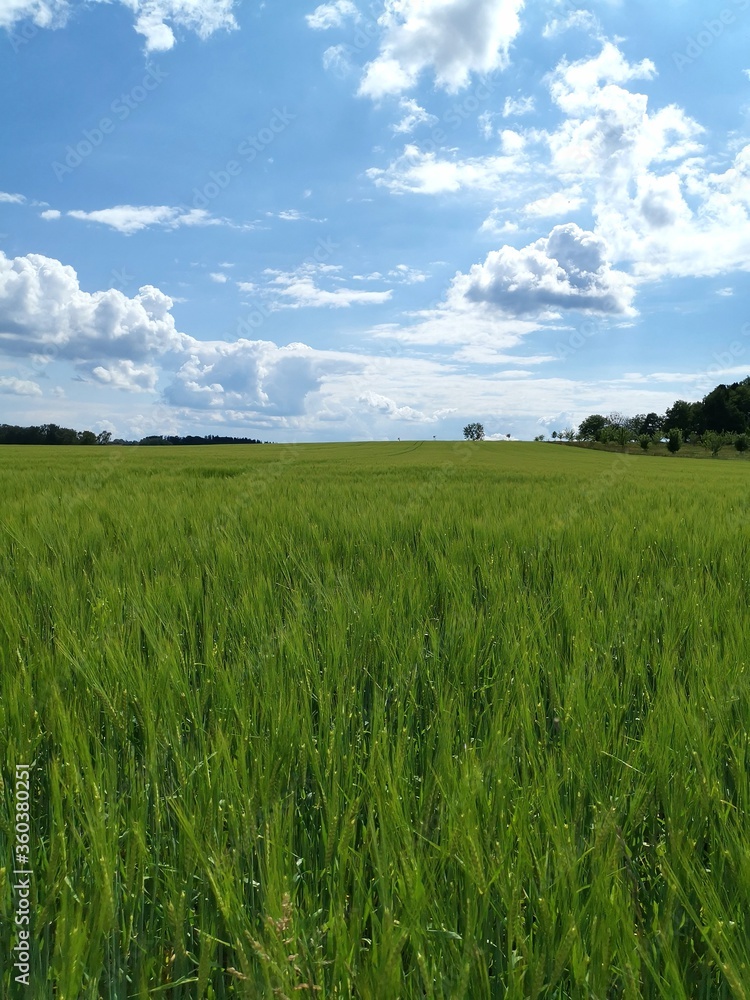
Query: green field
[378, 721]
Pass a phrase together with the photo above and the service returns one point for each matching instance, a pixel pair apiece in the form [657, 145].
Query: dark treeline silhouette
[725, 410]
[194, 439]
[50, 434]
[53, 434]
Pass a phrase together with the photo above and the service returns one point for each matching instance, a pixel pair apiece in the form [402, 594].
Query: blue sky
[370, 220]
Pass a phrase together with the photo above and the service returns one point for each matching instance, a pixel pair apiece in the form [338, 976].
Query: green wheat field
[379, 721]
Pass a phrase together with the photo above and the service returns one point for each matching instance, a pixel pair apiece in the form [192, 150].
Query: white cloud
[453, 38]
[299, 289]
[419, 172]
[578, 87]
[414, 115]
[332, 15]
[336, 60]
[516, 107]
[566, 270]
[130, 219]
[484, 121]
[126, 375]
[659, 205]
[44, 13]
[218, 277]
[44, 311]
[386, 406]
[250, 377]
[5, 196]
[559, 203]
[19, 387]
[655, 200]
[154, 19]
[404, 274]
[495, 225]
[581, 20]
[293, 215]
[50, 213]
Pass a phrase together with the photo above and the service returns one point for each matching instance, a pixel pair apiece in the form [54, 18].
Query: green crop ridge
[377, 721]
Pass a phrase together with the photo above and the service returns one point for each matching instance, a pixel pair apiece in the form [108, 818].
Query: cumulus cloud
[251, 377]
[154, 19]
[44, 311]
[332, 15]
[658, 203]
[568, 269]
[386, 406]
[11, 199]
[126, 375]
[129, 219]
[19, 387]
[452, 38]
[50, 213]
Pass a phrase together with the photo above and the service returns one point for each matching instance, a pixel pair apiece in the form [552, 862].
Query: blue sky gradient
[369, 221]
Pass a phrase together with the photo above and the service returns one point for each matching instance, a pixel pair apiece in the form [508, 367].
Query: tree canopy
[724, 410]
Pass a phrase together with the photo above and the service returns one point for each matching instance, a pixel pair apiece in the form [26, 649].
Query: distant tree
[674, 440]
[592, 427]
[686, 417]
[723, 409]
[652, 424]
[644, 423]
[87, 437]
[474, 432]
[714, 442]
[616, 419]
[568, 434]
[622, 434]
[644, 441]
[741, 442]
[554, 435]
[104, 437]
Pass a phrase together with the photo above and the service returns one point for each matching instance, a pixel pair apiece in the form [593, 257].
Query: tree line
[722, 417]
[54, 434]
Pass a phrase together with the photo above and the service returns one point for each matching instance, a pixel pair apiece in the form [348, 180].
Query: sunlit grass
[379, 721]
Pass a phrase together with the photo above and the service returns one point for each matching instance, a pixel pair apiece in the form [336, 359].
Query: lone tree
[674, 440]
[474, 432]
